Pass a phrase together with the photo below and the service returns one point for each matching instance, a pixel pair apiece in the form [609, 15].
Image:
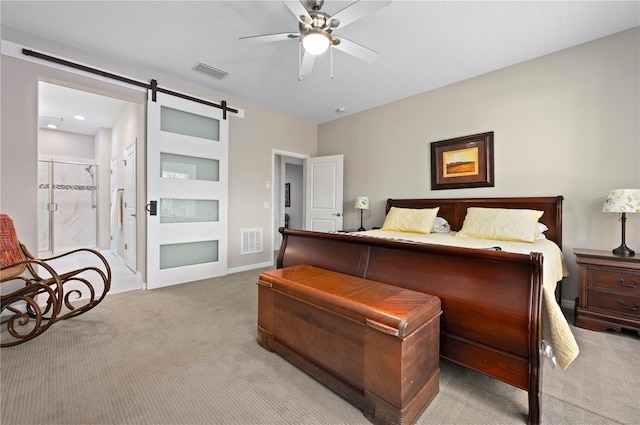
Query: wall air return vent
[210, 70]
[251, 240]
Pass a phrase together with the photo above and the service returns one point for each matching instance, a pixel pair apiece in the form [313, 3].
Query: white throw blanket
[555, 328]
[116, 208]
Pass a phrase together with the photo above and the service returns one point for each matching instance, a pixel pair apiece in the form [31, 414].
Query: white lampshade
[622, 201]
[316, 42]
[362, 203]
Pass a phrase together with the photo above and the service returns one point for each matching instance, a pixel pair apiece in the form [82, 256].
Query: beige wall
[564, 124]
[252, 140]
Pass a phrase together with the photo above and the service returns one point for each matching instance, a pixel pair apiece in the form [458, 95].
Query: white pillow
[540, 231]
[410, 219]
[441, 225]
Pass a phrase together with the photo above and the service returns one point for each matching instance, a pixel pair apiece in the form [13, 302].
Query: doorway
[312, 185]
[81, 152]
[288, 193]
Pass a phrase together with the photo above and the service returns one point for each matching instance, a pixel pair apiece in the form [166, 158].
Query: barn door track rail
[153, 85]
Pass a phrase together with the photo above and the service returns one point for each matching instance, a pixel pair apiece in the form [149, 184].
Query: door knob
[337, 214]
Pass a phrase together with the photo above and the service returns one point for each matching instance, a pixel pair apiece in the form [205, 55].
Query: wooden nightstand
[609, 296]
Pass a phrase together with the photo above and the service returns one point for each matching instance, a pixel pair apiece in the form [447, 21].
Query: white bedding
[555, 328]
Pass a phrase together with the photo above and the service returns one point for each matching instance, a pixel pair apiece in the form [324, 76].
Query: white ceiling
[59, 106]
[423, 45]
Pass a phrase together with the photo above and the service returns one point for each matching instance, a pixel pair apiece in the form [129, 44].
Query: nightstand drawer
[616, 303]
[621, 280]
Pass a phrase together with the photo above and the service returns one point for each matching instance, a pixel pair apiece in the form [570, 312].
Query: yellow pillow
[411, 219]
[501, 224]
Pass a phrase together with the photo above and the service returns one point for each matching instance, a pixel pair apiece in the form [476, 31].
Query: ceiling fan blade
[355, 49]
[307, 63]
[271, 37]
[358, 10]
[297, 9]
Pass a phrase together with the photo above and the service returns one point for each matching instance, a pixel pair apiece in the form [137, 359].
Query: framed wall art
[462, 162]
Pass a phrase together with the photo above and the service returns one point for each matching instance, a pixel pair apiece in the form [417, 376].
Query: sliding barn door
[187, 189]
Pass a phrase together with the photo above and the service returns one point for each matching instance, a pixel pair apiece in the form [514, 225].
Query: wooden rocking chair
[34, 295]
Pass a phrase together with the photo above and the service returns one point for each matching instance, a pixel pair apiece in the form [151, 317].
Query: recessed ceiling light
[52, 126]
[341, 110]
[79, 117]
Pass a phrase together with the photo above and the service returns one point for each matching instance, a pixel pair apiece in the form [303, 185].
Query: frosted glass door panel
[183, 167]
[188, 254]
[188, 210]
[181, 122]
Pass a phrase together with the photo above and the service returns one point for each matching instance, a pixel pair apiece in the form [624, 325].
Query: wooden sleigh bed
[491, 300]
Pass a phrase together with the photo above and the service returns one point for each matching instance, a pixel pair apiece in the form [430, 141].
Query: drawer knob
[621, 282]
[629, 308]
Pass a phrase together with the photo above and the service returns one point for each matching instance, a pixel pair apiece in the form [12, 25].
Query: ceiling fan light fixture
[316, 42]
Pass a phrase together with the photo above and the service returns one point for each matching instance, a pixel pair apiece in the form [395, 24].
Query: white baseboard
[249, 267]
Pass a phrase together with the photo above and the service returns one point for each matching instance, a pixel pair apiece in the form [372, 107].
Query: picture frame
[462, 162]
[287, 194]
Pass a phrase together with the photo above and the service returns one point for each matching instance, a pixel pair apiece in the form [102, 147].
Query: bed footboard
[490, 299]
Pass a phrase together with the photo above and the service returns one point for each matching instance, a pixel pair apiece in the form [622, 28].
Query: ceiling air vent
[210, 70]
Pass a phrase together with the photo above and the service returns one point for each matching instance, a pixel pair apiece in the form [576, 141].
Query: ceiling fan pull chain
[331, 54]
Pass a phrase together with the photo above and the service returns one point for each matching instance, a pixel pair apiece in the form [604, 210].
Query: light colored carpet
[188, 355]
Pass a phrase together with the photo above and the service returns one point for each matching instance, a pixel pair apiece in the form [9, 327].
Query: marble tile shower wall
[71, 200]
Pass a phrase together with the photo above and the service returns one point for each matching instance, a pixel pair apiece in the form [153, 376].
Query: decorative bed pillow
[540, 231]
[441, 225]
[411, 219]
[501, 224]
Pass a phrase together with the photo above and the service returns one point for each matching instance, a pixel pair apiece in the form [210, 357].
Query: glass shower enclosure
[67, 206]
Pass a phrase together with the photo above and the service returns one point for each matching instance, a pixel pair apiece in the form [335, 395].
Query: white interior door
[324, 193]
[187, 190]
[130, 206]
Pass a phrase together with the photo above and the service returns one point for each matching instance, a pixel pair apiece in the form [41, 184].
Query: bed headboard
[455, 209]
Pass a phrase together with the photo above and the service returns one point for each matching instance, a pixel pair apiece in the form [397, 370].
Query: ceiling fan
[316, 31]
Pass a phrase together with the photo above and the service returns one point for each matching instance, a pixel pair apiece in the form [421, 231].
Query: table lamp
[623, 201]
[362, 203]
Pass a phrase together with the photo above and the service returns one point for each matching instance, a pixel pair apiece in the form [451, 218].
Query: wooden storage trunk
[374, 344]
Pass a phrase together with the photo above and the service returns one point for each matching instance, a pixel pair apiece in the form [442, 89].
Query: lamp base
[623, 251]
[362, 229]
